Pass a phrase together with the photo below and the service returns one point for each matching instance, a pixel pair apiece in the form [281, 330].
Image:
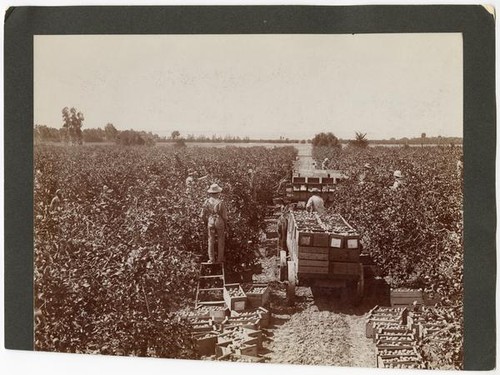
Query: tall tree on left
[72, 123]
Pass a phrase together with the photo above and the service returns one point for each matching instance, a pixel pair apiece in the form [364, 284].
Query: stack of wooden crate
[396, 343]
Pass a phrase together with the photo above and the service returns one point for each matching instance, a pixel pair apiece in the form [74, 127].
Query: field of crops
[120, 256]
[121, 253]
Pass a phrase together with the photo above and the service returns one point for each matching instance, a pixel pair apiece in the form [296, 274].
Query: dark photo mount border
[475, 23]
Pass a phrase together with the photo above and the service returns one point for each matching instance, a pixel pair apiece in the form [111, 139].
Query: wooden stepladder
[210, 289]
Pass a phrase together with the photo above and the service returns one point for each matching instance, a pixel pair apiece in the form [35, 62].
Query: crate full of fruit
[205, 343]
[258, 295]
[235, 297]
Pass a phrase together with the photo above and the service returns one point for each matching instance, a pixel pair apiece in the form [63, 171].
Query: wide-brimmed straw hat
[315, 190]
[214, 188]
[398, 174]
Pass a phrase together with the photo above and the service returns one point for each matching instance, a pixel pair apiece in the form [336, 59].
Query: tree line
[72, 132]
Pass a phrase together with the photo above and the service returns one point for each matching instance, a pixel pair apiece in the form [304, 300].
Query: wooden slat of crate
[345, 268]
[344, 255]
[312, 263]
[406, 293]
[313, 256]
[380, 352]
[321, 270]
[313, 250]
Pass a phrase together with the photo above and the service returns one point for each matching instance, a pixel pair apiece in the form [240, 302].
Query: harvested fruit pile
[330, 223]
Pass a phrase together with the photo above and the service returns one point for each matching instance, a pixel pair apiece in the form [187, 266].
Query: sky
[260, 86]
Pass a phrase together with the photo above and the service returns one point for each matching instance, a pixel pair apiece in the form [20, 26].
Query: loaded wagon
[320, 182]
[323, 251]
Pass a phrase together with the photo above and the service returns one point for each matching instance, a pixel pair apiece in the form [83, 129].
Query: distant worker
[214, 213]
[460, 167]
[398, 180]
[364, 174]
[324, 164]
[282, 228]
[55, 203]
[315, 203]
[192, 178]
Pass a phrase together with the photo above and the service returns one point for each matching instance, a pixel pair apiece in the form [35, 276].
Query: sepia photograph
[279, 198]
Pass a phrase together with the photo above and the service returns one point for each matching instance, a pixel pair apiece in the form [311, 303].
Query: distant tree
[110, 131]
[130, 138]
[42, 133]
[326, 139]
[175, 134]
[422, 139]
[360, 141]
[72, 123]
[94, 135]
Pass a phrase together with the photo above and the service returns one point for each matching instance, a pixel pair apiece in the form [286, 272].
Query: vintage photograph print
[273, 198]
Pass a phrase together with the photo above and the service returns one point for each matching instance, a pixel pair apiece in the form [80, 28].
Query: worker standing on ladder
[214, 213]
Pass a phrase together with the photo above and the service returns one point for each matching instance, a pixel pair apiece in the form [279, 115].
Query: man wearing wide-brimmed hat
[398, 176]
[214, 213]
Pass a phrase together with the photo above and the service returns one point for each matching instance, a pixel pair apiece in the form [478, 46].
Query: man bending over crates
[315, 202]
[214, 213]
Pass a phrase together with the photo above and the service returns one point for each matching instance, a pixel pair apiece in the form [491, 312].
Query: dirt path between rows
[319, 329]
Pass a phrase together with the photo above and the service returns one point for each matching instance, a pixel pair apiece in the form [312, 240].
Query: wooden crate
[394, 345]
[384, 339]
[371, 325]
[386, 362]
[305, 239]
[232, 323]
[406, 297]
[394, 353]
[258, 299]
[205, 345]
[235, 303]
[250, 350]
[321, 239]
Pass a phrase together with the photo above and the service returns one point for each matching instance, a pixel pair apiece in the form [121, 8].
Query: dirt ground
[320, 328]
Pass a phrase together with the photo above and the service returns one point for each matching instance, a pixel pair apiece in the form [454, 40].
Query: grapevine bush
[120, 255]
[415, 233]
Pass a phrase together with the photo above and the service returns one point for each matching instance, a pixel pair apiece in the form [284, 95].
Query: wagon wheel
[292, 281]
[283, 270]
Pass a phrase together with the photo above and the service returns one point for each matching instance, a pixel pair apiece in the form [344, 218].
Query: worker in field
[214, 214]
[363, 176]
[398, 180]
[324, 164]
[192, 179]
[460, 167]
[315, 203]
[282, 227]
[56, 202]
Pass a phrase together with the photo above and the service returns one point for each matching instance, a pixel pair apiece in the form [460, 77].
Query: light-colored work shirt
[315, 204]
